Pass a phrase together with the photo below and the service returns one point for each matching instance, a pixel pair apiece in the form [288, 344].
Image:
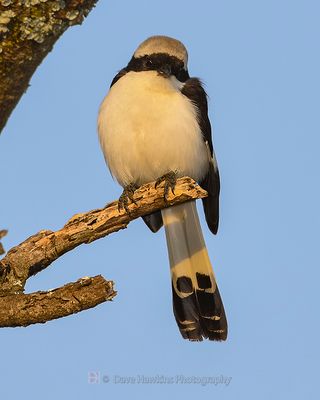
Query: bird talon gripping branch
[170, 180]
[127, 194]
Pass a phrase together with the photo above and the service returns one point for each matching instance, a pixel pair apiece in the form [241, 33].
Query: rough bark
[40, 250]
[26, 309]
[3, 233]
[28, 31]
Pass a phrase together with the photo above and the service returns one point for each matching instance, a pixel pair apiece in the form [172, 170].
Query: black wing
[119, 75]
[153, 221]
[211, 182]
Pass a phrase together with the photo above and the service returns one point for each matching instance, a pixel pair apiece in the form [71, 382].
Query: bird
[153, 125]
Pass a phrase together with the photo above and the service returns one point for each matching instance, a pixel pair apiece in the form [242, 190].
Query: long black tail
[197, 304]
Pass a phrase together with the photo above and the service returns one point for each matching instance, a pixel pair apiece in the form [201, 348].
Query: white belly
[148, 128]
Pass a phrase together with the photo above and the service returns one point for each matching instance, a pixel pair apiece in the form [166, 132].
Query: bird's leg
[127, 194]
[170, 180]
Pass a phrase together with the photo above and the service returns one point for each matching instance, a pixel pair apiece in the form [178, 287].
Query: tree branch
[28, 31]
[3, 233]
[40, 250]
[40, 307]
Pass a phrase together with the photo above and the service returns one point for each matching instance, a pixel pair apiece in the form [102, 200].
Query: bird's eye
[149, 63]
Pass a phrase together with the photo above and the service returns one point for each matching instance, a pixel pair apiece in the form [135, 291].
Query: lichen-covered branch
[40, 250]
[3, 233]
[28, 31]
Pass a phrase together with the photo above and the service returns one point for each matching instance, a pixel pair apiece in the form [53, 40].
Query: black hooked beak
[165, 70]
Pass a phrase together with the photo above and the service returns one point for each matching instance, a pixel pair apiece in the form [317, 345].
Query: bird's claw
[170, 180]
[127, 194]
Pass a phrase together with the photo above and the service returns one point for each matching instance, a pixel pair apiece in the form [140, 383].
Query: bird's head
[163, 54]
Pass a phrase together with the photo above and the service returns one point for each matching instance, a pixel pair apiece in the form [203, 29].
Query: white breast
[148, 128]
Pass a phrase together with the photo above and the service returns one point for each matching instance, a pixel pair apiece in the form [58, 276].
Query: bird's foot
[170, 180]
[127, 195]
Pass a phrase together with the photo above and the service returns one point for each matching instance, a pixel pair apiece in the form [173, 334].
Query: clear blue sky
[260, 62]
